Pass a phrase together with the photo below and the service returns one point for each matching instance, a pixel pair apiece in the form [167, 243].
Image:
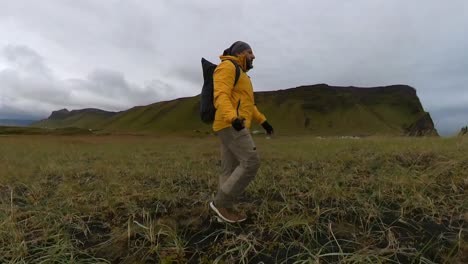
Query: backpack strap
[237, 72]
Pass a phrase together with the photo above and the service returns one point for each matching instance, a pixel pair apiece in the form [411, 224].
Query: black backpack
[207, 109]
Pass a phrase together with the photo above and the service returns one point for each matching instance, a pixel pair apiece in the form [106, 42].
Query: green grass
[11, 130]
[122, 199]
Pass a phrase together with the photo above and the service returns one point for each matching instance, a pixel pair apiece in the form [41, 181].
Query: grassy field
[123, 199]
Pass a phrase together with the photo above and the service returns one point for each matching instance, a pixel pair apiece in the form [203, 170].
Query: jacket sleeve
[259, 117]
[223, 82]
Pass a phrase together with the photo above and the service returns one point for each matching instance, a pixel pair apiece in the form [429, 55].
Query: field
[142, 199]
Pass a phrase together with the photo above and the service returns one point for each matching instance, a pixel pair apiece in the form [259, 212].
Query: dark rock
[59, 114]
[463, 131]
[424, 126]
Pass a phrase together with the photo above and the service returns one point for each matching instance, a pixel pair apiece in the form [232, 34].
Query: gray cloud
[115, 54]
[26, 60]
[30, 89]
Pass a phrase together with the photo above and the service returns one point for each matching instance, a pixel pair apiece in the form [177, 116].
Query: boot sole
[221, 217]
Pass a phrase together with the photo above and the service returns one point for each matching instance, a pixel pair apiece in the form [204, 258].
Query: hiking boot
[228, 214]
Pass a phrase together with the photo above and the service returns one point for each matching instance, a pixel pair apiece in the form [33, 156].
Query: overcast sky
[113, 55]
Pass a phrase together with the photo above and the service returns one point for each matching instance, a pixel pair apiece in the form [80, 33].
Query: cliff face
[59, 114]
[423, 126]
[320, 109]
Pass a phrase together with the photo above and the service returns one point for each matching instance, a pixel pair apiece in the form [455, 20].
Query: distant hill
[84, 118]
[16, 122]
[316, 109]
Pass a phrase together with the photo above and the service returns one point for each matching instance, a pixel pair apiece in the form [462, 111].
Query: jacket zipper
[238, 105]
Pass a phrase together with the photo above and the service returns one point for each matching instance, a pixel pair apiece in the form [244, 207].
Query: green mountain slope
[317, 109]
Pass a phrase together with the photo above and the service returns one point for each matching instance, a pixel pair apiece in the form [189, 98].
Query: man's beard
[249, 64]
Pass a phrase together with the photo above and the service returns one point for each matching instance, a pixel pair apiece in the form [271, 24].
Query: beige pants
[240, 163]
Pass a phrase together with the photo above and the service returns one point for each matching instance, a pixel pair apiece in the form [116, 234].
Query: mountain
[316, 109]
[16, 122]
[84, 118]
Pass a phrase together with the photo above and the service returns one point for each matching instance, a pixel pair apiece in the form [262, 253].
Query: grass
[123, 199]
[12, 130]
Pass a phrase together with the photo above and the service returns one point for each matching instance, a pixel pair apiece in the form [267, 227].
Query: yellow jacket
[232, 102]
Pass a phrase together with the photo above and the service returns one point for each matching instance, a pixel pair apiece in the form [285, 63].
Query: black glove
[238, 124]
[267, 127]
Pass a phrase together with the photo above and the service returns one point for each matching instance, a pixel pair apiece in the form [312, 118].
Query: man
[235, 109]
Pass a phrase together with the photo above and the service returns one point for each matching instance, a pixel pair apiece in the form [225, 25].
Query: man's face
[249, 56]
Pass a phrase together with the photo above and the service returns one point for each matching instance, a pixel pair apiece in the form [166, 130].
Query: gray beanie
[236, 48]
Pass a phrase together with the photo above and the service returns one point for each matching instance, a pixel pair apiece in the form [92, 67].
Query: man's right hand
[268, 128]
[238, 124]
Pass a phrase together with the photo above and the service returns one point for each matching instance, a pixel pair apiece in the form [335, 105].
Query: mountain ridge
[317, 109]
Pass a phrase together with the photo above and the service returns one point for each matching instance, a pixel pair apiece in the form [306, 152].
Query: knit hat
[236, 48]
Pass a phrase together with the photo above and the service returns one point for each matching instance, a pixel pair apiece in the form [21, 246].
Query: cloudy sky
[113, 54]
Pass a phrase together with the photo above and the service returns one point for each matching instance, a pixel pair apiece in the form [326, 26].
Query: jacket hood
[240, 59]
